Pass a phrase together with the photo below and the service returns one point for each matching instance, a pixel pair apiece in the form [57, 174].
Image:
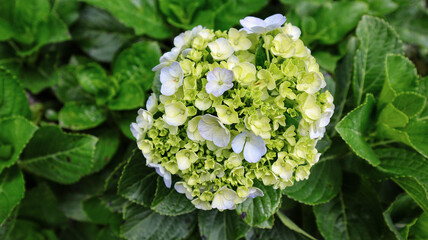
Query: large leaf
[138, 183]
[12, 190]
[403, 163]
[410, 23]
[323, 184]
[353, 127]
[415, 190]
[169, 202]
[130, 96]
[278, 232]
[143, 224]
[81, 116]
[334, 20]
[40, 205]
[68, 89]
[257, 210]
[141, 15]
[354, 214]
[229, 14]
[400, 76]
[13, 100]
[377, 39]
[99, 34]
[14, 135]
[59, 156]
[108, 142]
[98, 212]
[401, 215]
[215, 225]
[292, 226]
[136, 63]
[420, 229]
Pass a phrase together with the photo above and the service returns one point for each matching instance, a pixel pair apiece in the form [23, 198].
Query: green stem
[266, 49]
[382, 143]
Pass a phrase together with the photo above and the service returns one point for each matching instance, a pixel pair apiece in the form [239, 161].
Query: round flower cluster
[235, 107]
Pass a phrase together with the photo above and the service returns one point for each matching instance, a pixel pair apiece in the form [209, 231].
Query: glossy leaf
[353, 127]
[59, 156]
[141, 15]
[13, 100]
[81, 116]
[143, 224]
[108, 142]
[12, 188]
[215, 225]
[377, 39]
[138, 183]
[259, 209]
[415, 190]
[15, 133]
[323, 184]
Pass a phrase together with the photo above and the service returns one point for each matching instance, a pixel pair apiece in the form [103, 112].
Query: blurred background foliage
[73, 74]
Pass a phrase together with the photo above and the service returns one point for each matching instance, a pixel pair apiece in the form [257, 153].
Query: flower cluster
[235, 107]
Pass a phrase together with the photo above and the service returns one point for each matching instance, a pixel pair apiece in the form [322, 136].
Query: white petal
[254, 149]
[252, 23]
[221, 138]
[255, 192]
[167, 179]
[274, 21]
[239, 142]
[135, 130]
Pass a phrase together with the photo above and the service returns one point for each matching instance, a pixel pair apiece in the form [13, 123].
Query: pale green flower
[282, 46]
[238, 39]
[221, 49]
[185, 158]
[224, 199]
[175, 114]
[227, 115]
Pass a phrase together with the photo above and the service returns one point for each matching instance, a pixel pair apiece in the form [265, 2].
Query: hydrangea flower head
[221, 121]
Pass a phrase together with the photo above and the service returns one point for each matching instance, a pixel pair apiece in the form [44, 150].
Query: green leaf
[229, 13]
[7, 227]
[414, 189]
[354, 214]
[215, 225]
[68, 89]
[40, 205]
[278, 232]
[123, 119]
[381, 7]
[108, 142]
[420, 229]
[141, 15]
[143, 224]
[182, 13]
[81, 116]
[257, 210]
[410, 103]
[136, 63]
[93, 79]
[334, 21]
[169, 202]
[410, 22]
[130, 96]
[99, 213]
[292, 226]
[59, 156]
[15, 133]
[392, 117]
[12, 188]
[401, 215]
[138, 183]
[99, 34]
[261, 57]
[10, 88]
[68, 10]
[343, 75]
[400, 76]
[402, 163]
[377, 39]
[323, 184]
[353, 127]
[417, 130]
[326, 60]
[25, 229]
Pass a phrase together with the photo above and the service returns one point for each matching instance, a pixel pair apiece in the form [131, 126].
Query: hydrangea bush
[235, 107]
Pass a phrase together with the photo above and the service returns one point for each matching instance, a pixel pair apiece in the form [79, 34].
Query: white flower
[136, 131]
[219, 81]
[167, 58]
[163, 173]
[199, 204]
[182, 187]
[292, 31]
[143, 124]
[175, 114]
[152, 103]
[224, 199]
[212, 129]
[254, 146]
[221, 49]
[257, 25]
[171, 78]
[185, 158]
[183, 39]
[255, 192]
[192, 130]
[284, 169]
